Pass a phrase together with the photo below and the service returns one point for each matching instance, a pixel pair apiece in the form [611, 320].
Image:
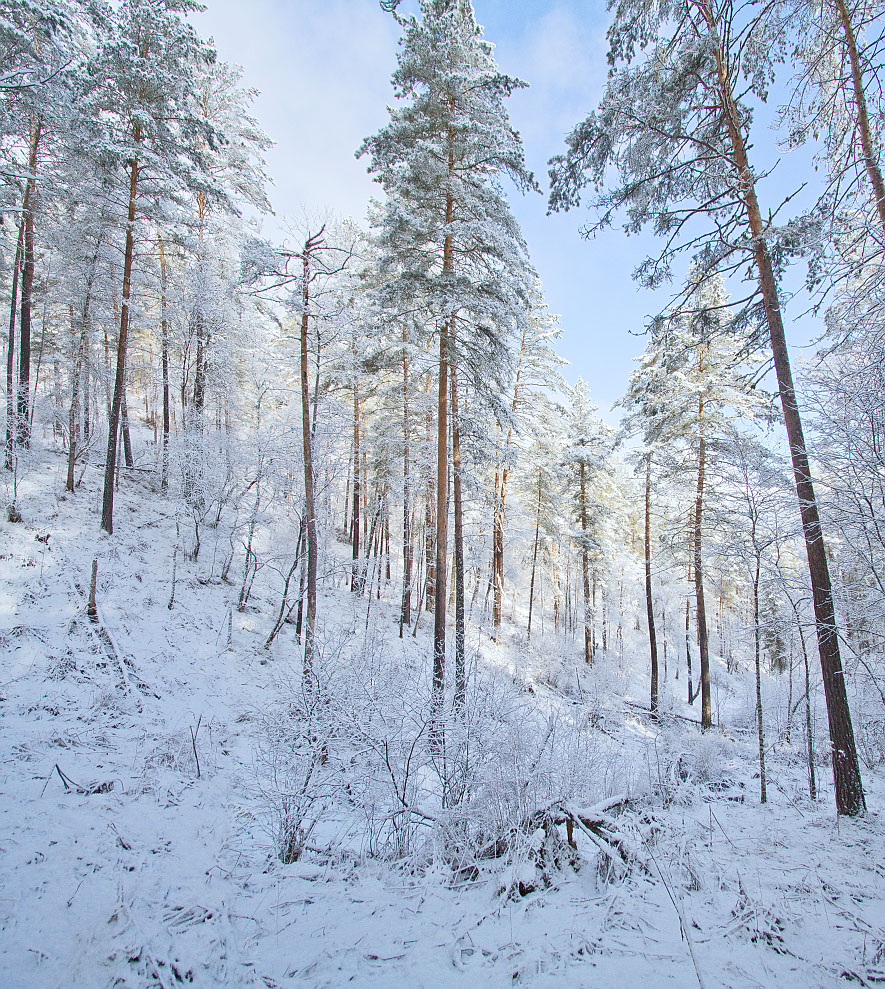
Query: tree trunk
[809, 733]
[846, 769]
[871, 160]
[406, 603]
[164, 344]
[87, 381]
[701, 615]
[23, 404]
[763, 797]
[74, 408]
[429, 548]
[649, 605]
[460, 652]
[107, 507]
[199, 401]
[535, 560]
[76, 375]
[10, 351]
[501, 499]
[440, 572]
[585, 567]
[442, 508]
[310, 245]
[127, 439]
[497, 578]
[357, 573]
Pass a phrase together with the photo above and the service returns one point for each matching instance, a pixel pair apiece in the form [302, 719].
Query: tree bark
[23, 404]
[74, 409]
[649, 605]
[846, 769]
[11, 390]
[498, 553]
[701, 610]
[107, 507]
[429, 547]
[460, 652]
[500, 503]
[199, 401]
[585, 567]
[763, 797]
[440, 571]
[310, 246]
[535, 562]
[439, 607]
[406, 602]
[870, 158]
[127, 438]
[357, 573]
[164, 359]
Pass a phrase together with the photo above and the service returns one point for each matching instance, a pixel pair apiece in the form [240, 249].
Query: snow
[163, 876]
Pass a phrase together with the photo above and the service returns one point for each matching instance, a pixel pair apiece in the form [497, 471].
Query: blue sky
[324, 70]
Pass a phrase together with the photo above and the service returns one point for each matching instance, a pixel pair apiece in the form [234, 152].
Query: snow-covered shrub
[871, 740]
[685, 760]
[355, 759]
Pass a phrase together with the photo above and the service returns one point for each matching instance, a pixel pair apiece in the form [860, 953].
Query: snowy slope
[138, 869]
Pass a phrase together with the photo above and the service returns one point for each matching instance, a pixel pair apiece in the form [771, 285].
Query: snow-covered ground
[136, 836]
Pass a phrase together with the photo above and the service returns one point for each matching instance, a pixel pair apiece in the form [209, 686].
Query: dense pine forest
[344, 638]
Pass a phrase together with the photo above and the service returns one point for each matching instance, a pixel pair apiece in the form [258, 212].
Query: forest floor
[134, 847]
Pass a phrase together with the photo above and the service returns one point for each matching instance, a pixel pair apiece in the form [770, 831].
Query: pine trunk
[357, 576]
[763, 797]
[164, 360]
[701, 609]
[10, 351]
[23, 404]
[429, 548]
[846, 769]
[307, 447]
[127, 438]
[439, 608]
[440, 572]
[498, 554]
[870, 158]
[460, 657]
[535, 560]
[585, 567]
[501, 499]
[107, 507]
[406, 602]
[649, 605]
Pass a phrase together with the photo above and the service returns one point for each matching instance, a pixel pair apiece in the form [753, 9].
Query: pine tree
[142, 79]
[451, 248]
[675, 131]
[590, 445]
